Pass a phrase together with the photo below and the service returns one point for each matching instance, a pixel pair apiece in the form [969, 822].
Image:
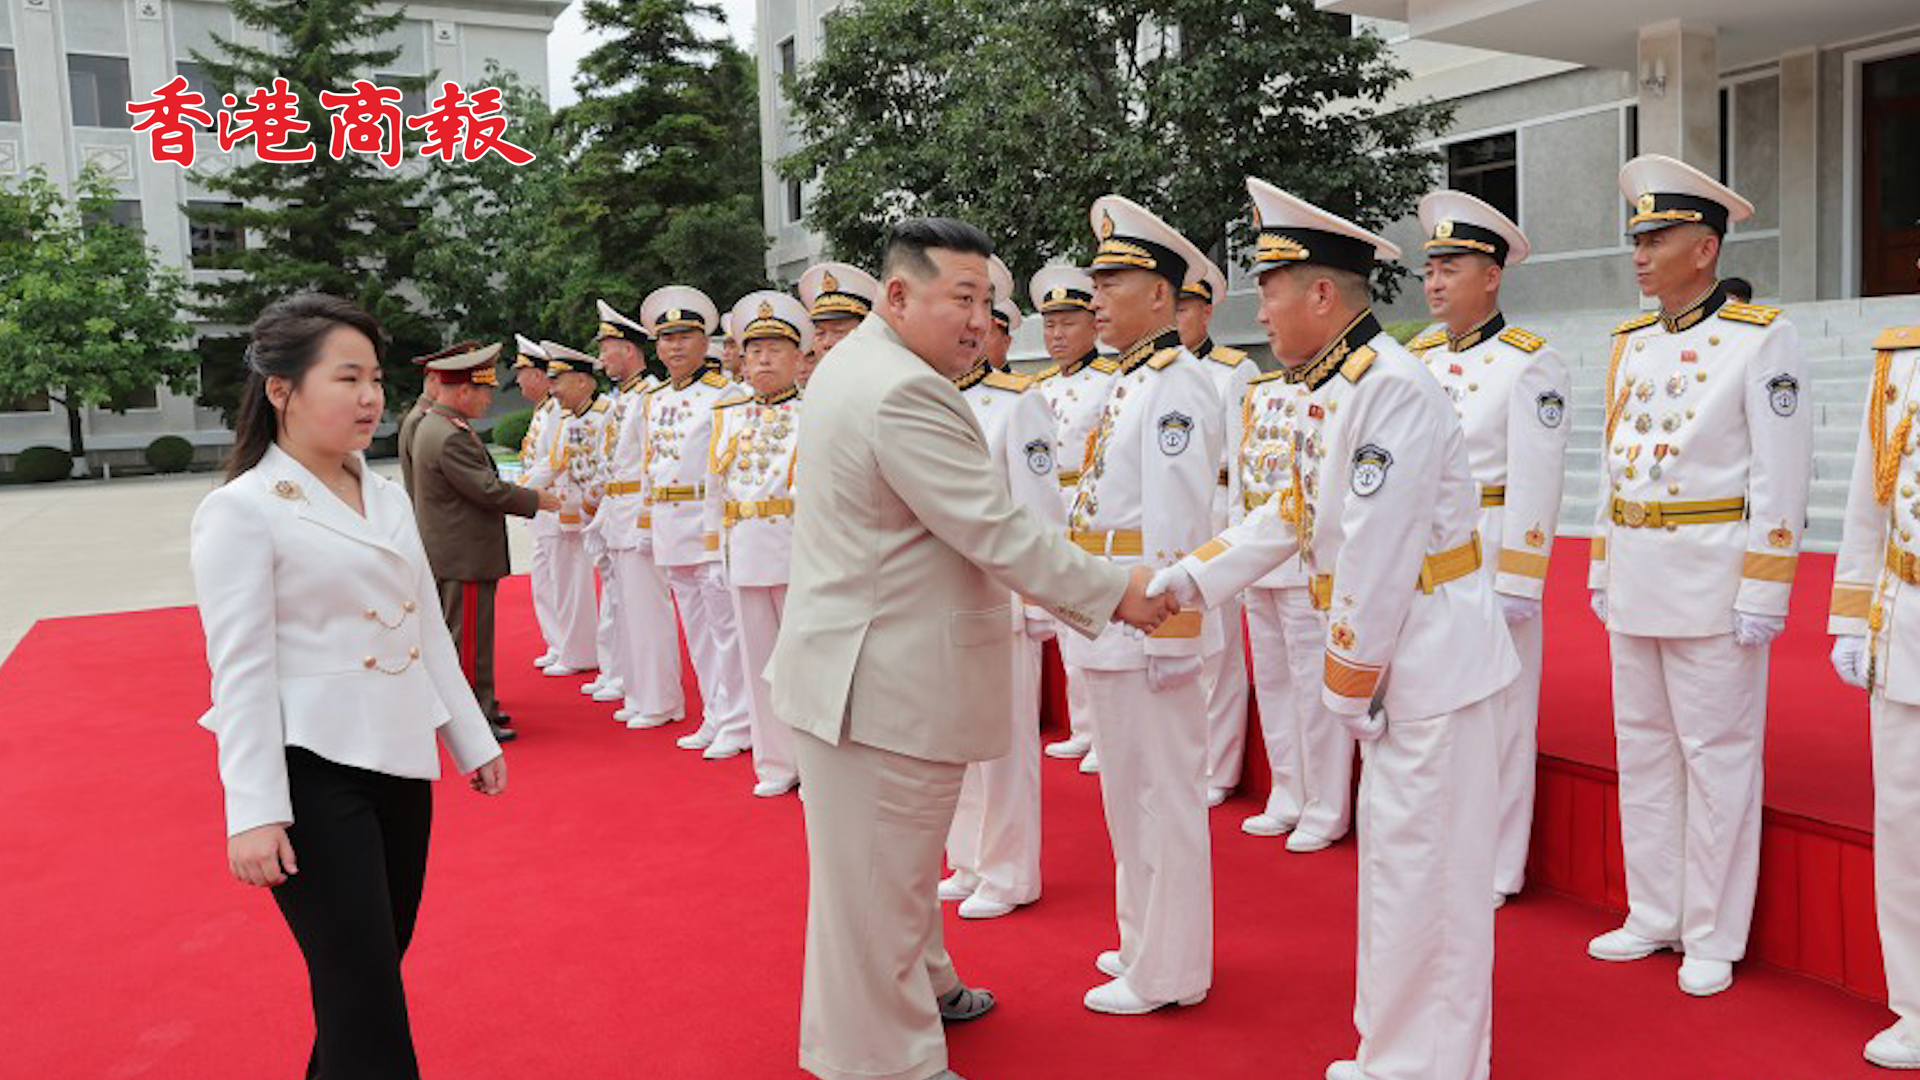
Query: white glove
[1519, 609]
[1171, 672]
[1039, 628]
[1368, 726]
[1850, 659]
[1599, 604]
[1175, 579]
[1755, 631]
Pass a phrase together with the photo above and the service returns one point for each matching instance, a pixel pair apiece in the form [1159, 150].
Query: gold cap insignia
[1059, 293]
[766, 309]
[1106, 225]
[607, 329]
[1645, 203]
[828, 283]
[1444, 230]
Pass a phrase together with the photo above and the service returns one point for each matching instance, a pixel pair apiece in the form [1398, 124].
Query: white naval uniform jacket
[1017, 424]
[1271, 409]
[1876, 567]
[679, 429]
[1384, 502]
[1075, 394]
[574, 464]
[1511, 390]
[623, 502]
[324, 632]
[1231, 371]
[535, 447]
[1145, 496]
[1707, 419]
[750, 473]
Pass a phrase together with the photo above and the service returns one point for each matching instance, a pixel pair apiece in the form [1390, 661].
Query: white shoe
[1118, 999]
[1705, 978]
[1072, 746]
[1216, 796]
[1623, 944]
[1303, 842]
[699, 740]
[610, 693]
[958, 886]
[623, 714]
[546, 659]
[1889, 1051]
[640, 722]
[722, 750]
[1267, 824]
[591, 687]
[1499, 899]
[559, 670]
[1090, 764]
[1108, 963]
[979, 907]
[1345, 1070]
[773, 789]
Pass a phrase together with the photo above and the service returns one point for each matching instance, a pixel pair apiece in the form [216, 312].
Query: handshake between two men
[1143, 607]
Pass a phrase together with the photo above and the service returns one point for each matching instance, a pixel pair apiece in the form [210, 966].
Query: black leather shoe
[503, 733]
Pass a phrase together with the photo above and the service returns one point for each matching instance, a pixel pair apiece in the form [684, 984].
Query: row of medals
[1643, 392]
[763, 443]
[1086, 504]
[1277, 445]
[664, 435]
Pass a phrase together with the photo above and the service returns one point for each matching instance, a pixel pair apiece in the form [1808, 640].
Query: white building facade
[67, 70]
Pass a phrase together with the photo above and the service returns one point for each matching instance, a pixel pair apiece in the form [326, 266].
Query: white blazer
[323, 632]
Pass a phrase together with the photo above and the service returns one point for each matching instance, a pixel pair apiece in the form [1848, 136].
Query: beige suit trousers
[876, 962]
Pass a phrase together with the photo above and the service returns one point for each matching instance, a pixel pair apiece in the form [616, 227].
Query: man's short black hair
[910, 240]
[1740, 289]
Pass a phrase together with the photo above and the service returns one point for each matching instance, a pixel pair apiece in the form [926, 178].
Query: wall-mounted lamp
[1653, 76]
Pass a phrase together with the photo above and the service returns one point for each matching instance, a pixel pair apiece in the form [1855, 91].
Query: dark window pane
[148, 398]
[787, 61]
[1488, 169]
[1899, 195]
[122, 213]
[795, 209]
[9, 87]
[214, 246]
[412, 102]
[199, 83]
[1633, 133]
[100, 89]
[1726, 129]
[26, 403]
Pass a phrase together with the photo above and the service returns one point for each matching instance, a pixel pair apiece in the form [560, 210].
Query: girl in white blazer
[332, 674]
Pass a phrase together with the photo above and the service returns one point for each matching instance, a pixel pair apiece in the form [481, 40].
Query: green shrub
[1404, 330]
[42, 464]
[169, 454]
[512, 428]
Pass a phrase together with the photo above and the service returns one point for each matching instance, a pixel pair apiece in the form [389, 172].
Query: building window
[1726, 135]
[412, 102]
[9, 87]
[26, 403]
[1489, 169]
[127, 400]
[198, 82]
[796, 208]
[100, 89]
[214, 245]
[788, 63]
[121, 213]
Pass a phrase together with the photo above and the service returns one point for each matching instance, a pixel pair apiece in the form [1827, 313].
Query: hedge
[511, 428]
[169, 454]
[42, 464]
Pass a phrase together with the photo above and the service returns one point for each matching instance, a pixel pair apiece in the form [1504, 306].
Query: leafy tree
[349, 227]
[88, 313]
[664, 174]
[1017, 114]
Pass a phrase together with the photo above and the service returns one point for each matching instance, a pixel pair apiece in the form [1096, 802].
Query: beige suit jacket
[905, 544]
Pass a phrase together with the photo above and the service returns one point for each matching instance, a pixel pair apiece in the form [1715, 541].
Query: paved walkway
[89, 547]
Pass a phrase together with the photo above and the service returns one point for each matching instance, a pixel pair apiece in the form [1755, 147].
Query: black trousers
[360, 840]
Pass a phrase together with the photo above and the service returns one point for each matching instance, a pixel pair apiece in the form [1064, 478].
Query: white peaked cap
[837, 290]
[1132, 237]
[673, 308]
[1058, 288]
[1456, 223]
[1667, 192]
[1293, 230]
[769, 314]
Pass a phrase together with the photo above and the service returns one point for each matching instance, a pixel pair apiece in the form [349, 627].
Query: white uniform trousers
[996, 827]
[544, 587]
[1517, 712]
[1689, 721]
[1423, 987]
[757, 610]
[649, 637]
[706, 617]
[1079, 708]
[1308, 748]
[1153, 750]
[1896, 856]
[876, 962]
[1225, 680]
[608, 648]
[575, 604]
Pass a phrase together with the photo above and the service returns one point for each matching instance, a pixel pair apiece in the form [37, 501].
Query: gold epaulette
[1356, 365]
[1757, 314]
[1897, 337]
[601, 404]
[1428, 340]
[1267, 376]
[1524, 340]
[1046, 373]
[1646, 318]
[1007, 380]
[1162, 358]
[1231, 357]
[1105, 365]
[716, 380]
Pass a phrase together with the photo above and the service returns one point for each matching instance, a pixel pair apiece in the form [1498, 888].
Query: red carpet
[628, 910]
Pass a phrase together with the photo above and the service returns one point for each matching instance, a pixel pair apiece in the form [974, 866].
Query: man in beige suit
[905, 544]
